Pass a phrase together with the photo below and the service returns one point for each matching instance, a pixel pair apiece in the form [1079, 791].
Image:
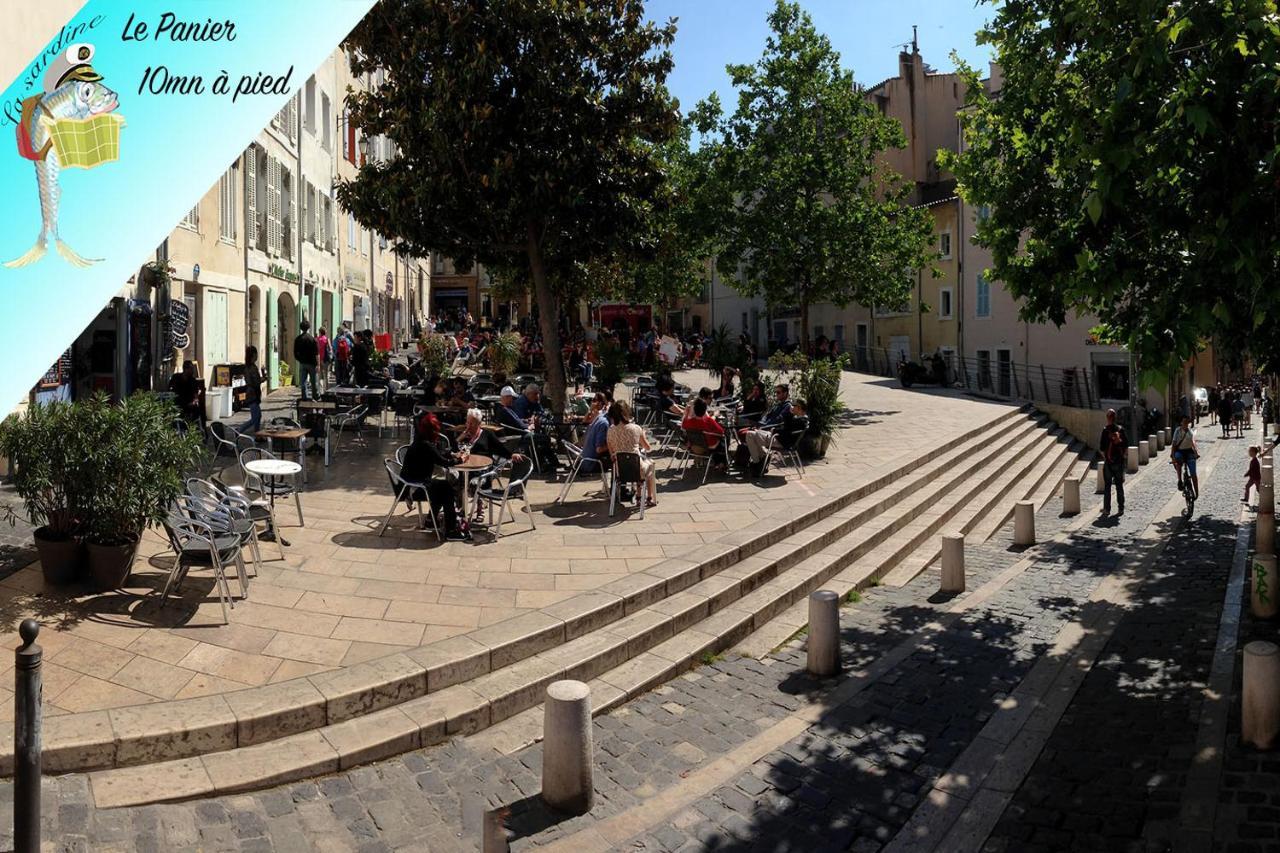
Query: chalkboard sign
[59, 373]
[179, 319]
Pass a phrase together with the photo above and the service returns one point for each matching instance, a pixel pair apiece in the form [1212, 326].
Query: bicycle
[1188, 490]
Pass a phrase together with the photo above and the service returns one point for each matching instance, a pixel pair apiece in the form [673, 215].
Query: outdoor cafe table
[273, 469]
[284, 434]
[474, 462]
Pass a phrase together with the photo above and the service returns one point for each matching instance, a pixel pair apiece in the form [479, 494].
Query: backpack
[344, 349]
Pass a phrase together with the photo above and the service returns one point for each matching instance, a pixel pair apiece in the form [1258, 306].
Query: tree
[810, 212]
[1129, 160]
[528, 136]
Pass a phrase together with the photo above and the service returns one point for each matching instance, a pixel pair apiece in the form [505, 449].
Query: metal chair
[259, 507]
[196, 544]
[628, 468]
[276, 488]
[415, 493]
[516, 487]
[576, 461]
[237, 511]
[226, 438]
[352, 419]
[224, 518]
[787, 446]
[697, 446]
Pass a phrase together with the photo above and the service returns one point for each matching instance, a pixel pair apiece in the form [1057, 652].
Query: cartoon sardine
[73, 90]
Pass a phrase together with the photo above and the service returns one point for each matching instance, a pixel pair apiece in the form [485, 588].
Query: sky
[867, 33]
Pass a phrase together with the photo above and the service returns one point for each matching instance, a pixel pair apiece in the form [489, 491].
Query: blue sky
[867, 33]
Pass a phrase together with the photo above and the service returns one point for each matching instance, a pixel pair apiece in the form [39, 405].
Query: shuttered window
[251, 196]
[227, 205]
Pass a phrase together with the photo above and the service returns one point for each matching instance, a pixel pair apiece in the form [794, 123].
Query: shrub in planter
[817, 382]
[434, 350]
[46, 453]
[134, 465]
[504, 352]
[613, 364]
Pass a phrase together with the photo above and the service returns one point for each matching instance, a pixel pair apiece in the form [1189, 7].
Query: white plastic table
[273, 469]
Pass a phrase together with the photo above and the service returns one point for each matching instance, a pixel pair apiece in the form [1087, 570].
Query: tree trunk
[804, 325]
[549, 323]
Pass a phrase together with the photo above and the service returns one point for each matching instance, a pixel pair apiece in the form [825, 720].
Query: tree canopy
[1129, 160]
[809, 211]
[529, 137]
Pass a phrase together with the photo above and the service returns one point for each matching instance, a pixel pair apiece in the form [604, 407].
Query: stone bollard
[27, 739]
[1071, 496]
[1266, 498]
[952, 562]
[1131, 460]
[1101, 485]
[1264, 533]
[1144, 452]
[1024, 523]
[1260, 705]
[1159, 444]
[1262, 589]
[567, 784]
[1153, 445]
[824, 633]
[1268, 473]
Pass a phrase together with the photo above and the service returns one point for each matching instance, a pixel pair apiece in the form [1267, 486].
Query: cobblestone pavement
[851, 781]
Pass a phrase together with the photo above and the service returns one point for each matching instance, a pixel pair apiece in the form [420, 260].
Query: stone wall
[1084, 424]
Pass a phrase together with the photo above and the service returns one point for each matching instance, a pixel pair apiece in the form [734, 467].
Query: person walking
[342, 346]
[1253, 476]
[1114, 445]
[252, 390]
[324, 355]
[305, 353]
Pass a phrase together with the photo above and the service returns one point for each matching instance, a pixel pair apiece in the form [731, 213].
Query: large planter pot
[61, 560]
[814, 446]
[110, 564]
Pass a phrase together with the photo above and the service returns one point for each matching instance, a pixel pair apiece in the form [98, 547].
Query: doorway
[1004, 372]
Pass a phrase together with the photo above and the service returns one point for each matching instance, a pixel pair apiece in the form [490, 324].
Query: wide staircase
[746, 592]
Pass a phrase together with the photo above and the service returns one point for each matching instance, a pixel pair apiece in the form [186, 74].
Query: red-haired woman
[420, 462]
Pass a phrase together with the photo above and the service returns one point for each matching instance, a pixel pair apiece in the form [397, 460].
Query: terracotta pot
[110, 564]
[61, 560]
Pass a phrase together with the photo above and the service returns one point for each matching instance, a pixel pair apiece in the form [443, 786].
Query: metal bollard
[26, 740]
[1131, 459]
[1024, 523]
[1262, 597]
[824, 633]
[952, 562]
[1071, 496]
[1101, 486]
[567, 752]
[1260, 705]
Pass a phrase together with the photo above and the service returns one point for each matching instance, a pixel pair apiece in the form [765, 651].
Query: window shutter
[251, 196]
[306, 214]
[293, 218]
[273, 206]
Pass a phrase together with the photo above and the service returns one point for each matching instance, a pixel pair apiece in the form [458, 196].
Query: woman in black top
[726, 389]
[420, 462]
[253, 389]
[754, 405]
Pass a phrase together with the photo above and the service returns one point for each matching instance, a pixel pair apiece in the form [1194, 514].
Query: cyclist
[1184, 452]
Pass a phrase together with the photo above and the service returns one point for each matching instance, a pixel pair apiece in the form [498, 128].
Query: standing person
[360, 353]
[1224, 413]
[323, 356]
[1114, 445]
[1184, 453]
[253, 389]
[1214, 397]
[1237, 414]
[305, 353]
[1252, 477]
[342, 344]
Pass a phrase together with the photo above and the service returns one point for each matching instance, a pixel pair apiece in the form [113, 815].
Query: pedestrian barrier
[1131, 460]
[1101, 486]
[1262, 587]
[1260, 705]
[26, 740]
[953, 561]
[1070, 497]
[824, 633]
[1144, 452]
[1024, 523]
[567, 781]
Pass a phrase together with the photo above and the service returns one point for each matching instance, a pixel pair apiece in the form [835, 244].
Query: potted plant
[504, 353]
[434, 350]
[613, 364]
[45, 449]
[134, 464]
[819, 382]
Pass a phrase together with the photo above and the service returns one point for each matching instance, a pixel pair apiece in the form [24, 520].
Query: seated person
[529, 405]
[514, 424]
[704, 395]
[459, 396]
[667, 404]
[726, 389]
[477, 439]
[754, 404]
[420, 462]
[506, 413]
[595, 445]
[759, 439]
[188, 394]
[700, 421]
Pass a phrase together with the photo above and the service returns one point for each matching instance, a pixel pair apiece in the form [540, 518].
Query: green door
[273, 341]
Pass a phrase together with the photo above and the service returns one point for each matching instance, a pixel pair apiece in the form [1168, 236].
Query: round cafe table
[272, 470]
[475, 462]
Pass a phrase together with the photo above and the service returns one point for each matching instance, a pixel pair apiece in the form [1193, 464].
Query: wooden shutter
[294, 192]
[251, 196]
[273, 205]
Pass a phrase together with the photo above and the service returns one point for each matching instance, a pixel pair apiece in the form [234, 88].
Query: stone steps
[469, 678]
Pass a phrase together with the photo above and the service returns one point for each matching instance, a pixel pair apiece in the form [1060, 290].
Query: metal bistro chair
[274, 487]
[236, 513]
[196, 544]
[259, 507]
[787, 445]
[353, 420]
[405, 490]
[227, 438]
[494, 493]
[697, 446]
[403, 406]
[627, 469]
[222, 518]
[575, 467]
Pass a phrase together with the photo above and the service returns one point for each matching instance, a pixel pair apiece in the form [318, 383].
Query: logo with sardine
[72, 125]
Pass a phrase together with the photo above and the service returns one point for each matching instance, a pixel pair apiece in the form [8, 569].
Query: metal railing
[1036, 383]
